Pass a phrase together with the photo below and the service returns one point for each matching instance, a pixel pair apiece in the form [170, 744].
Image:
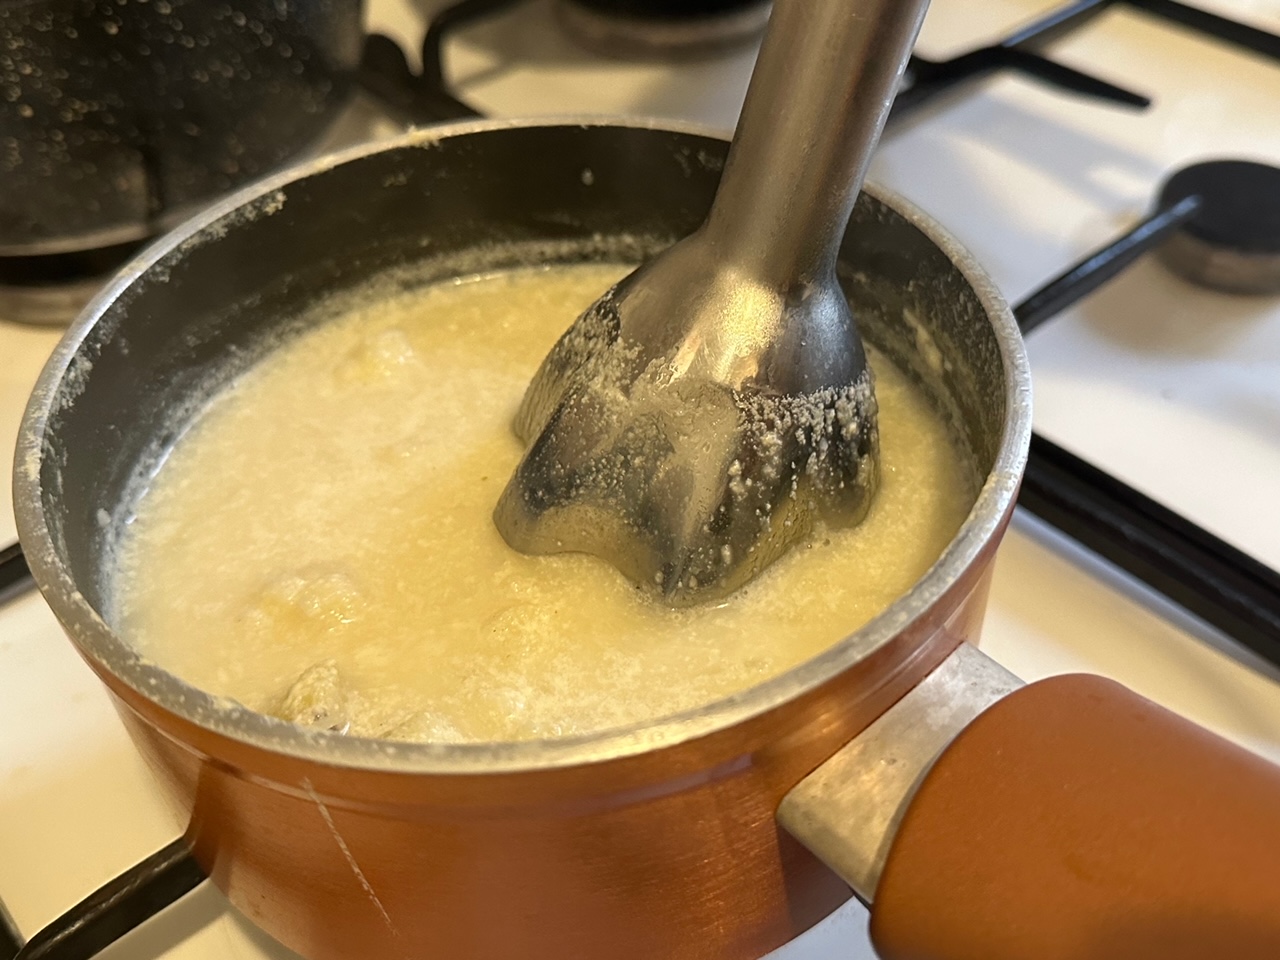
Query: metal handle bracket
[847, 811]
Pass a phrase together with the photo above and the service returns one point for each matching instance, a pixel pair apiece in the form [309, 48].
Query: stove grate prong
[15, 579]
[1102, 265]
[1019, 51]
[119, 906]
[10, 936]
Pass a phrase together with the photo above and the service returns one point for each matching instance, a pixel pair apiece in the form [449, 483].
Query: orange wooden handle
[1074, 820]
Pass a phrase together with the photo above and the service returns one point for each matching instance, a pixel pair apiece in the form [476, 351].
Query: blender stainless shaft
[704, 414]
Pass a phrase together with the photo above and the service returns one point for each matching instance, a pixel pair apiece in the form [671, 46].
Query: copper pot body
[657, 841]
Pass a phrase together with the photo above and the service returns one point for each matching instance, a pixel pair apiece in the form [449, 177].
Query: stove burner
[1226, 211]
[662, 29]
[1216, 223]
[1232, 240]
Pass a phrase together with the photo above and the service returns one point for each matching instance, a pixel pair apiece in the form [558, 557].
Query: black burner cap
[1239, 204]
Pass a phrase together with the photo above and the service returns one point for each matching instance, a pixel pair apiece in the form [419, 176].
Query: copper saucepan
[1070, 819]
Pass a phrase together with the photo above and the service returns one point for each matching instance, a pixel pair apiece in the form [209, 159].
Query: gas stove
[1042, 152]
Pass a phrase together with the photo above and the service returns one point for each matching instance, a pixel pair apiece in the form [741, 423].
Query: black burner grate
[1020, 52]
[10, 938]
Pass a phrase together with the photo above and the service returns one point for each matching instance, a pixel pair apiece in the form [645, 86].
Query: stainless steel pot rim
[109, 653]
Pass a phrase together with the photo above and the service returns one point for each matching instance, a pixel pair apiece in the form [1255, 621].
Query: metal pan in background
[117, 118]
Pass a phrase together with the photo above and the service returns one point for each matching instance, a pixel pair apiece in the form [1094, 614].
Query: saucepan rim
[109, 653]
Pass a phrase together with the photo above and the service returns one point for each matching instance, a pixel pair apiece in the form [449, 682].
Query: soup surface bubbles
[319, 546]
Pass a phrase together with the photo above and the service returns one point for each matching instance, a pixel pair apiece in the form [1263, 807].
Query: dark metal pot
[116, 116]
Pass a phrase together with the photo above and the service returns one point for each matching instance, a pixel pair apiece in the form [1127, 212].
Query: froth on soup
[318, 545]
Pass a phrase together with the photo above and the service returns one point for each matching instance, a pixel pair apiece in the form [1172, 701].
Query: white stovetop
[1174, 389]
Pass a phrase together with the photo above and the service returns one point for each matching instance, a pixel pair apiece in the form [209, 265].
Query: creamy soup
[319, 546]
